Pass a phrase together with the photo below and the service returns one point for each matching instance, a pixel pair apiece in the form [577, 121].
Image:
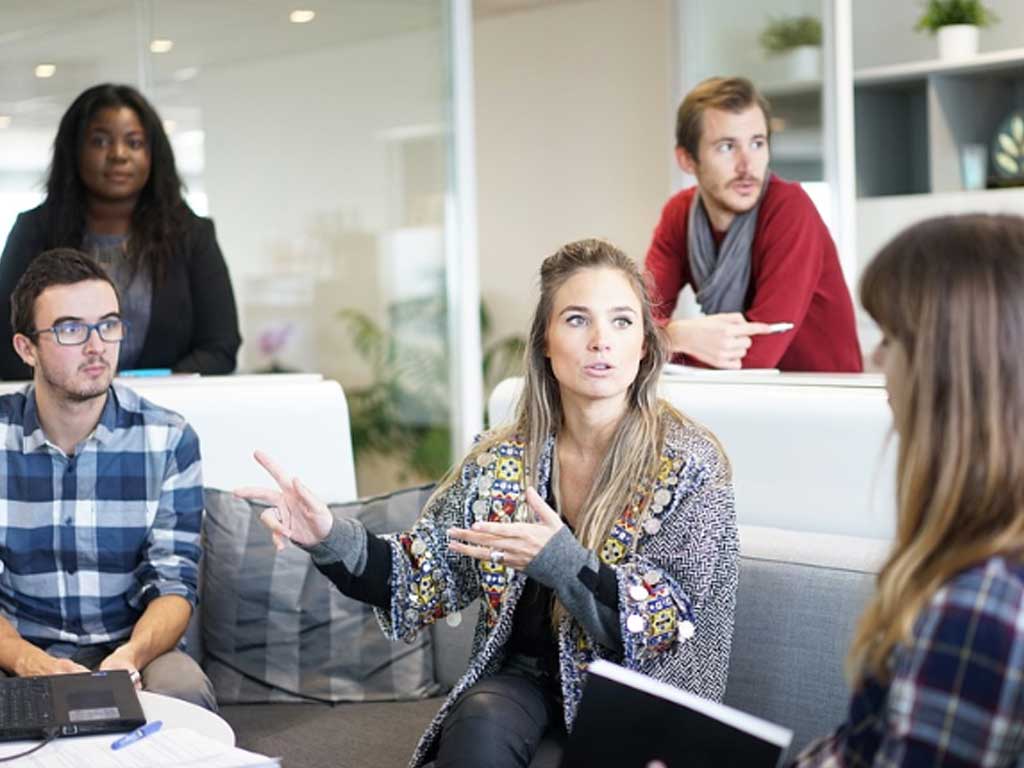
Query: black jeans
[499, 723]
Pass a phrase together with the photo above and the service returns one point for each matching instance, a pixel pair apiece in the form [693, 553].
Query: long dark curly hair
[160, 212]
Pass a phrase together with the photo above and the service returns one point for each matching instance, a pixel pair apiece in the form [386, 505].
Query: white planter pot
[803, 62]
[958, 41]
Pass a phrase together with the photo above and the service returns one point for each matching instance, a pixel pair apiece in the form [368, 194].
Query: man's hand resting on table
[720, 341]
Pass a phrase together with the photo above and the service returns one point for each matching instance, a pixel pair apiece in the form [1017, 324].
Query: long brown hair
[635, 449]
[948, 293]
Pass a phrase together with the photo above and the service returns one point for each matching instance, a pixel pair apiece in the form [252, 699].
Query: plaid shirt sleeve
[955, 697]
[170, 559]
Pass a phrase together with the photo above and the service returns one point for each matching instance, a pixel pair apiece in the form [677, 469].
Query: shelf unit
[797, 152]
[912, 119]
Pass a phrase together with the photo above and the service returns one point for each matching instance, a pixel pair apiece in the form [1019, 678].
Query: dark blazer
[193, 323]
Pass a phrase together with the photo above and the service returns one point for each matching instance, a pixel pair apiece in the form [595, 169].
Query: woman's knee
[496, 723]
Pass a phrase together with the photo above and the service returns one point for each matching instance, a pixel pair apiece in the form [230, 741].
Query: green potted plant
[403, 412]
[956, 22]
[798, 40]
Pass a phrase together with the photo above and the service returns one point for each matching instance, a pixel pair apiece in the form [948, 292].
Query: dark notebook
[629, 720]
[68, 705]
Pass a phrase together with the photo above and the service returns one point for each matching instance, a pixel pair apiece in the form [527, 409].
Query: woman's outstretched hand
[294, 513]
[517, 543]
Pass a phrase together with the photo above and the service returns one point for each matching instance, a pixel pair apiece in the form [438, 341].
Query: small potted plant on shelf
[957, 23]
[798, 39]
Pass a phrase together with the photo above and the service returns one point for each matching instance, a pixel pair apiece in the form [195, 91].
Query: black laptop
[629, 720]
[68, 705]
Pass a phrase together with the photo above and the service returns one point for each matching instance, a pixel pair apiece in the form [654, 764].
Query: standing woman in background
[114, 192]
[937, 663]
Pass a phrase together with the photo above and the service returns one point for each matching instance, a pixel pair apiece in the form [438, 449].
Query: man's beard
[67, 388]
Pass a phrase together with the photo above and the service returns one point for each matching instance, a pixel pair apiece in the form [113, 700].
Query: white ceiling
[93, 41]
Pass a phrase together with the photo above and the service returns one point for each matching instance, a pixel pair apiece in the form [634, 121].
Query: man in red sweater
[752, 245]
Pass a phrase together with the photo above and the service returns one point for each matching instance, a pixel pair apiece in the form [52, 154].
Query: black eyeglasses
[73, 333]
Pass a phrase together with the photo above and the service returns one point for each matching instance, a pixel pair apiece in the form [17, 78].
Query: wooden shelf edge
[982, 62]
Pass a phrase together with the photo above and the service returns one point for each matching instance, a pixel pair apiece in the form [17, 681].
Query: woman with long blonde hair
[937, 661]
[600, 524]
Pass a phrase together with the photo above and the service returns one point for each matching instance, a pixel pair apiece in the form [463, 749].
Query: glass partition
[777, 44]
[318, 141]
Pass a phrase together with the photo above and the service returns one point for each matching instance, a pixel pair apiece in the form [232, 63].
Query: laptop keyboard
[25, 703]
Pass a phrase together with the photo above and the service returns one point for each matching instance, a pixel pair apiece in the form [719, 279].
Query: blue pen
[138, 733]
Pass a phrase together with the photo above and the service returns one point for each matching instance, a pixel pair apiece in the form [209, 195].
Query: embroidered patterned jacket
[675, 566]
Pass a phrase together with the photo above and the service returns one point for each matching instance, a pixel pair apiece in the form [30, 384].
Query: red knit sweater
[794, 277]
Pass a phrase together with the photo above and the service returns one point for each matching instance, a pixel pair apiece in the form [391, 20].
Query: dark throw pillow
[275, 629]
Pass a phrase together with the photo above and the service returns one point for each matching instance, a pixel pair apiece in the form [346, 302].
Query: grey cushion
[275, 629]
[794, 623]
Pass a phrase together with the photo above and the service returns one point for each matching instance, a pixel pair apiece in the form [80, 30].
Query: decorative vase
[803, 62]
[958, 41]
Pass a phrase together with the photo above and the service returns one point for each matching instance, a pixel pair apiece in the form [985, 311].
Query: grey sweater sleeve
[345, 543]
[587, 588]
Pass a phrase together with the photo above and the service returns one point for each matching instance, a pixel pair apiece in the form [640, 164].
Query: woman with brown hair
[600, 524]
[937, 662]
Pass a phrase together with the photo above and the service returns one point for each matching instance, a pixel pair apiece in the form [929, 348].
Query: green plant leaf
[405, 412]
[1007, 163]
[783, 34]
[943, 13]
[1009, 145]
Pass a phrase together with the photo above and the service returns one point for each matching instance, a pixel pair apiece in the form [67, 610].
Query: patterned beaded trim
[653, 622]
[501, 489]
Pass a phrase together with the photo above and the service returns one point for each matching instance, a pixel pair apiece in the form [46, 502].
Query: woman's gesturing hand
[294, 513]
[512, 544]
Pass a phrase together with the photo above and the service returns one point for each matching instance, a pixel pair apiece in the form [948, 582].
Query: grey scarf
[721, 275]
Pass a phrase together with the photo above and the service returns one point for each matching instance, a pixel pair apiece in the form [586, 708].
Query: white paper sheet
[178, 747]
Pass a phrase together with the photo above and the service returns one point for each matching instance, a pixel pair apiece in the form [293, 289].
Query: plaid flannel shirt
[956, 694]
[87, 541]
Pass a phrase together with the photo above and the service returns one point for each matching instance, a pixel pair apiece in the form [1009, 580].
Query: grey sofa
[799, 597]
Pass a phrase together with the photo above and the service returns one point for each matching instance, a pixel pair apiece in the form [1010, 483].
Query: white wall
[883, 31]
[573, 140]
[730, 33]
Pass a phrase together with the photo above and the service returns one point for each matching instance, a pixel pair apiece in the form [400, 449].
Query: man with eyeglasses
[101, 498]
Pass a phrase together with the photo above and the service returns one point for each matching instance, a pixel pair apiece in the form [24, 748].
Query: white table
[176, 713]
[173, 712]
[301, 419]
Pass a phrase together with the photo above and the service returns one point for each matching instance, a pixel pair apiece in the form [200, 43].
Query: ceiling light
[301, 16]
[161, 45]
[5, 121]
[46, 70]
[185, 73]
[169, 126]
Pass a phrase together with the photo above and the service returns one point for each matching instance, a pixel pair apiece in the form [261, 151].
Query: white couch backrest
[808, 453]
[301, 421]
